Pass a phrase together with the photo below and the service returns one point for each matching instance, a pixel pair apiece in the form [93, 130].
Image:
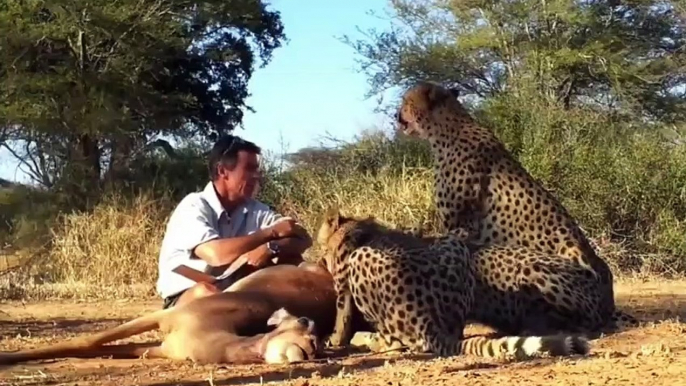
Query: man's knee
[203, 289]
[291, 260]
[199, 290]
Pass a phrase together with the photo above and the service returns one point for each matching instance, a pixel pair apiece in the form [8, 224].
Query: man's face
[242, 181]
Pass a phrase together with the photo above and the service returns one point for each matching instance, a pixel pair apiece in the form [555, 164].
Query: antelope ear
[278, 316]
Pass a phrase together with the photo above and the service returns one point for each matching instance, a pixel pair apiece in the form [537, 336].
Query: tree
[86, 85]
[582, 92]
[624, 57]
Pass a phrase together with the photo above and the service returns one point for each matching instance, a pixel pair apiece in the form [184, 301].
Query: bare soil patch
[654, 354]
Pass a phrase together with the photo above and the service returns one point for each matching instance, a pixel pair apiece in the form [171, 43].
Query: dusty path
[652, 355]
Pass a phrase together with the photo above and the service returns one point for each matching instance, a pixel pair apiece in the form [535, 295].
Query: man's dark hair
[225, 153]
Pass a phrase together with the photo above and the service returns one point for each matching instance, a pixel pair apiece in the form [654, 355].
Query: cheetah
[482, 189]
[415, 293]
[516, 287]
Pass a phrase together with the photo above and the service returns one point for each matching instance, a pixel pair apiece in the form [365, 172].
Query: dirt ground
[654, 354]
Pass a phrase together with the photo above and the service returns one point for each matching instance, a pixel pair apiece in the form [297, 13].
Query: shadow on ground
[656, 307]
[317, 371]
[264, 374]
[56, 326]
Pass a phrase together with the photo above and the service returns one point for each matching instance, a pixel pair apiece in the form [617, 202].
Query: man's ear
[223, 169]
[278, 316]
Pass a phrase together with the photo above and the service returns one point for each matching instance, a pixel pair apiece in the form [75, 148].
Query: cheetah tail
[623, 320]
[525, 346]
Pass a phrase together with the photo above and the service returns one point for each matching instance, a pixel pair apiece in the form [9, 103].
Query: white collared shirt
[198, 218]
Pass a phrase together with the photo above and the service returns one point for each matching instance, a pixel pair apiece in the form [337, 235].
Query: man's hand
[284, 231]
[287, 227]
[259, 257]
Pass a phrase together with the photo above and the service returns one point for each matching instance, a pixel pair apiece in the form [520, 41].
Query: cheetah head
[427, 107]
[335, 226]
[334, 223]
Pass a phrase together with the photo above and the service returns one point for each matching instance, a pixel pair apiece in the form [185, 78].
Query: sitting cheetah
[481, 189]
[383, 274]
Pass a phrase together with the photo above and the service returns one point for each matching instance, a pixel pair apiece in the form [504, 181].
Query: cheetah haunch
[415, 293]
[482, 189]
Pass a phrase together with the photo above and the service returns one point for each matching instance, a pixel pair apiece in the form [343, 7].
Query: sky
[310, 88]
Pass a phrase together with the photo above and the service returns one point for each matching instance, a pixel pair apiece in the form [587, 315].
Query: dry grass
[112, 251]
[401, 200]
[109, 252]
[116, 244]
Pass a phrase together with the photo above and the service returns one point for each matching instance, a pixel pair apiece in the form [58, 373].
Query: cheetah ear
[436, 95]
[333, 216]
[321, 262]
[361, 235]
[455, 92]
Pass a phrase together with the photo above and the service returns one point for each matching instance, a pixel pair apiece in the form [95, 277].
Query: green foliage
[622, 57]
[26, 216]
[590, 96]
[615, 192]
[159, 174]
[626, 186]
[86, 85]
[371, 152]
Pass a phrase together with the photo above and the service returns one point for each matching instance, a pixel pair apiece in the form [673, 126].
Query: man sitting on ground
[210, 229]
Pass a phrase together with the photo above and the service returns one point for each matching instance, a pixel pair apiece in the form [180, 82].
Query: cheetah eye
[399, 118]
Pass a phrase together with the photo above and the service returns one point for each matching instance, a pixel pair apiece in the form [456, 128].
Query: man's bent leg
[290, 259]
[247, 270]
[170, 301]
[199, 290]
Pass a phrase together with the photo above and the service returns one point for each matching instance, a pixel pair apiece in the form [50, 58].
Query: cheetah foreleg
[377, 343]
[466, 210]
[342, 332]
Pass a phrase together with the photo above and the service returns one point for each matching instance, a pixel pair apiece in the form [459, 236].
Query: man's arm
[193, 228]
[291, 249]
[220, 252]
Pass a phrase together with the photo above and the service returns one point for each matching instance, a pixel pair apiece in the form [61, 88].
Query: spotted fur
[415, 292]
[482, 189]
